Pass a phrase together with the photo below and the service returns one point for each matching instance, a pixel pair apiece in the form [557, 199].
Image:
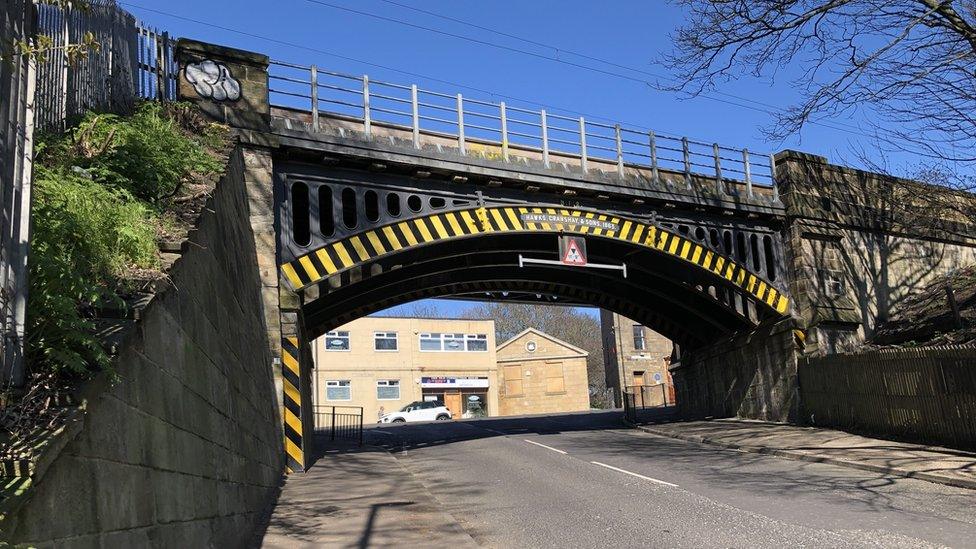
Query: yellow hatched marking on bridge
[499, 220]
[323, 256]
[292, 420]
[407, 233]
[293, 450]
[625, 230]
[453, 223]
[469, 221]
[291, 275]
[309, 267]
[514, 219]
[439, 227]
[422, 227]
[376, 242]
[343, 255]
[359, 248]
[392, 238]
[290, 362]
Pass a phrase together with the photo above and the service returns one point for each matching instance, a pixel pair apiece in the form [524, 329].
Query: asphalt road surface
[584, 480]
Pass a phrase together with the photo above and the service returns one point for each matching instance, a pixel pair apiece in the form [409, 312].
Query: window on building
[832, 282]
[338, 389]
[431, 342]
[385, 341]
[477, 342]
[513, 380]
[388, 389]
[640, 343]
[453, 342]
[337, 341]
[555, 378]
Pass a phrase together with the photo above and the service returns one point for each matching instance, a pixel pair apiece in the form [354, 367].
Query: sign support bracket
[524, 260]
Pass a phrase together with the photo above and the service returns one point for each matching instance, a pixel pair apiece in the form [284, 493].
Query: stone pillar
[816, 239]
[228, 84]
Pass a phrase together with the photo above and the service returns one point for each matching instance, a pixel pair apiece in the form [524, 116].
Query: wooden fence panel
[925, 394]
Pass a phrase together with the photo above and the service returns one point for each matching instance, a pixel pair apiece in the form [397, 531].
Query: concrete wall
[551, 378]
[185, 448]
[752, 375]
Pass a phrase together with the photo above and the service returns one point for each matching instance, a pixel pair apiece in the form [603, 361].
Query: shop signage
[453, 382]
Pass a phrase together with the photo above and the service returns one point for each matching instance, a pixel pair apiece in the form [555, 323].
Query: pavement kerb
[813, 458]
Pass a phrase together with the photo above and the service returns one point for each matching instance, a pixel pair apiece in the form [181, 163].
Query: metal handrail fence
[465, 119]
[340, 422]
[650, 396]
[133, 61]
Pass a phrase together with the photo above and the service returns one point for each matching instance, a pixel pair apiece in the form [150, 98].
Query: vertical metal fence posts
[134, 61]
[488, 128]
[340, 422]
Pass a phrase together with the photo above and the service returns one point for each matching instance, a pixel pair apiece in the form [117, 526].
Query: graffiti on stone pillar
[213, 80]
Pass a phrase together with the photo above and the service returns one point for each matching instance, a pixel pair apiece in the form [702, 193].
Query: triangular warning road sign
[574, 254]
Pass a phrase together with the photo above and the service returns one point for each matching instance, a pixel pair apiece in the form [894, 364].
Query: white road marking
[544, 446]
[634, 474]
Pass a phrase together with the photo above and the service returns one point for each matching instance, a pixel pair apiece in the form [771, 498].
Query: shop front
[464, 396]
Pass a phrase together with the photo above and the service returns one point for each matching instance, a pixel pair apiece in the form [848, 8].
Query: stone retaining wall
[750, 376]
[184, 449]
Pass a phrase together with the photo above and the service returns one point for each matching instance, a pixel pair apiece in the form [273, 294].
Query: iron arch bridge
[353, 242]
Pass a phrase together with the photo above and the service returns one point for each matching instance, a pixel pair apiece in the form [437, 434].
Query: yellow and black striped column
[291, 382]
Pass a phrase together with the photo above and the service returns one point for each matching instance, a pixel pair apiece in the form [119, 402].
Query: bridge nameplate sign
[569, 220]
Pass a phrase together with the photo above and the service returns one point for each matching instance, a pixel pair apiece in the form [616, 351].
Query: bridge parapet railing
[501, 131]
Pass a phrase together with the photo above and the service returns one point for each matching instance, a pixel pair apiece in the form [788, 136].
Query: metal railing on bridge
[340, 422]
[553, 137]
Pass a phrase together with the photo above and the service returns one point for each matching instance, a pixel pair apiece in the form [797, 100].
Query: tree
[910, 63]
[566, 323]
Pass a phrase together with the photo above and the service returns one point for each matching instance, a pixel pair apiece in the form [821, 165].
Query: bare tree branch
[908, 66]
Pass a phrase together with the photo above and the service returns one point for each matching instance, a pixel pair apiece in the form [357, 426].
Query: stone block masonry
[752, 375]
[184, 448]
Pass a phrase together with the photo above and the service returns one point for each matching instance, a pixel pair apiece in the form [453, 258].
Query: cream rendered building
[385, 363]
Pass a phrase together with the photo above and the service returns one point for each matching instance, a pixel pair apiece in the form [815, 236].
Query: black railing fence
[340, 422]
[637, 398]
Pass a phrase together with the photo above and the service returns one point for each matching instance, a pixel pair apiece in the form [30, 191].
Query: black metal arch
[664, 293]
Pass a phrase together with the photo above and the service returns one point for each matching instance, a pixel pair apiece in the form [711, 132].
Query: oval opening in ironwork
[326, 215]
[349, 207]
[393, 204]
[414, 203]
[372, 205]
[301, 230]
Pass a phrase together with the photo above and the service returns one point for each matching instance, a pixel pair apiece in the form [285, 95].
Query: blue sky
[631, 33]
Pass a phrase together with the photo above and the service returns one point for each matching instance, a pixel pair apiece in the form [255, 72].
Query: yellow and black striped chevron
[375, 243]
[292, 415]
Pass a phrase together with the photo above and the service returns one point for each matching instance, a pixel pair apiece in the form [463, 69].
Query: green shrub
[147, 153]
[85, 236]
[101, 194]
